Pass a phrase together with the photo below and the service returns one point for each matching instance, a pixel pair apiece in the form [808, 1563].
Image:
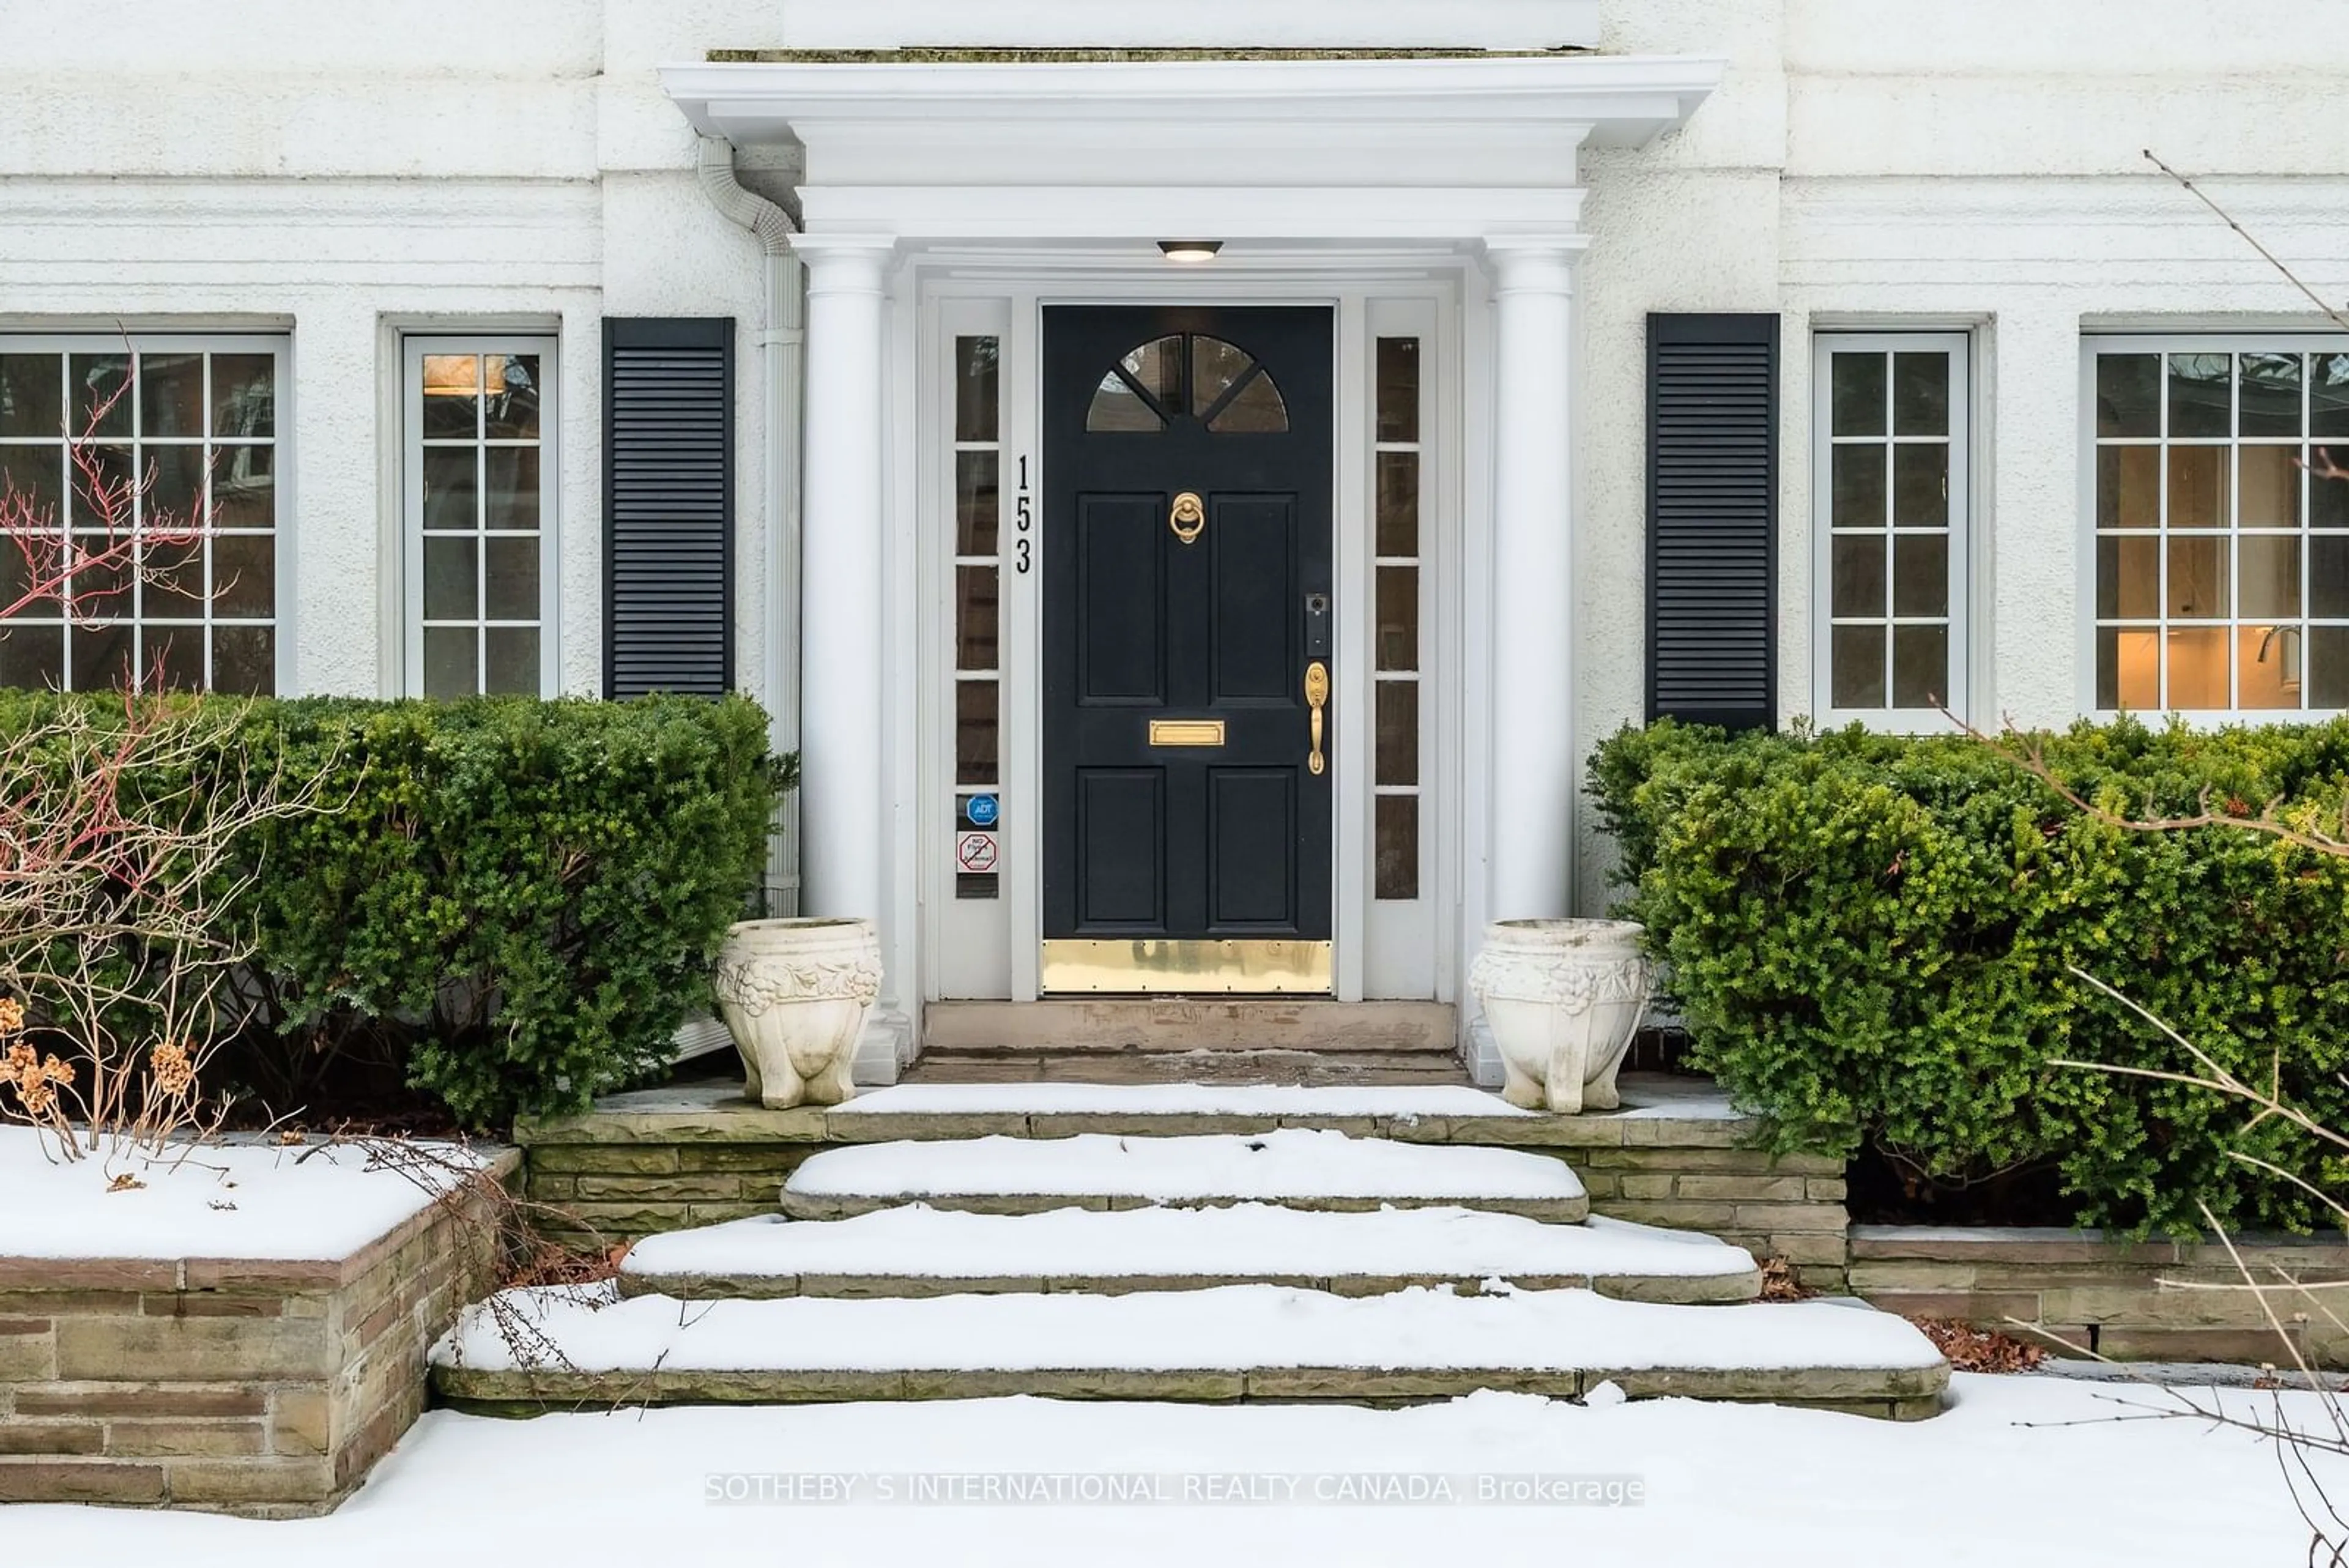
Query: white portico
[950, 203]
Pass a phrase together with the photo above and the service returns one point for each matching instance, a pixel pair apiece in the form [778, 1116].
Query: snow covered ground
[257, 1200]
[1755, 1486]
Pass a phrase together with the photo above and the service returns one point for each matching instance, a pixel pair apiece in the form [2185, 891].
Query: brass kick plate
[1186, 731]
[1240, 968]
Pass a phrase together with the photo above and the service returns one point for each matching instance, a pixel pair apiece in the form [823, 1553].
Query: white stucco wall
[1874, 163]
[346, 172]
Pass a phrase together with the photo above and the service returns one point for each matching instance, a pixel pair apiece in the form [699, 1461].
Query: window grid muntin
[1399, 827]
[1889, 349]
[214, 444]
[983, 412]
[2234, 625]
[1142, 374]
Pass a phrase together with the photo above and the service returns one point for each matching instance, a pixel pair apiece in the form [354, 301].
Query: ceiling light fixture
[1192, 252]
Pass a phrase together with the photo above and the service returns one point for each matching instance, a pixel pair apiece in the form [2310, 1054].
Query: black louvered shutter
[1713, 519]
[669, 504]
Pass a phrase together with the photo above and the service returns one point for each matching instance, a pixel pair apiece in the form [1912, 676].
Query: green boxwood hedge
[1872, 939]
[512, 903]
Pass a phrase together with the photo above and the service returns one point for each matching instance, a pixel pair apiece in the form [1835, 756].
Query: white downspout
[779, 353]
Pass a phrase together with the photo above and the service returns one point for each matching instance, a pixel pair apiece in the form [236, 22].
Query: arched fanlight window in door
[1188, 374]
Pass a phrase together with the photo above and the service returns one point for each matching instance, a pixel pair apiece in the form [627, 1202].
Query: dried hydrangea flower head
[33, 1079]
[173, 1069]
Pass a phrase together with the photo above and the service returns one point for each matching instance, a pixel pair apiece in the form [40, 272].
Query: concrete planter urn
[1562, 999]
[794, 994]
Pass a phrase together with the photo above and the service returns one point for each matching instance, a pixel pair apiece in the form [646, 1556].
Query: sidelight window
[977, 595]
[1399, 455]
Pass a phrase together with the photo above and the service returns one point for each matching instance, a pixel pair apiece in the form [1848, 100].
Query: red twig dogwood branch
[119, 534]
[119, 827]
[119, 824]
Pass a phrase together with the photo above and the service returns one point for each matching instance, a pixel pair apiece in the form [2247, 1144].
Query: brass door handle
[1317, 697]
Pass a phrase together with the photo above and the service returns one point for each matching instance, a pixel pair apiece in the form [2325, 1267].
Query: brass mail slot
[1186, 731]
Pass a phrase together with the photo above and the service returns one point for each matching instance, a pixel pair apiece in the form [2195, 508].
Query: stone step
[1303, 1028]
[1058, 1109]
[919, 1250]
[1236, 1063]
[1295, 1167]
[584, 1348]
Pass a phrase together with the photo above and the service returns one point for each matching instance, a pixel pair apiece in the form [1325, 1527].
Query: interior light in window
[452, 376]
[449, 374]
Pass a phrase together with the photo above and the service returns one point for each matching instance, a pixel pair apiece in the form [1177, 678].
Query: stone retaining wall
[2108, 1296]
[1789, 1206]
[606, 1180]
[671, 1159]
[262, 1388]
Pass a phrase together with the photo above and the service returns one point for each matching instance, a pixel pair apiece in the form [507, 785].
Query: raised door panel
[1253, 609]
[1251, 850]
[1122, 849]
[1120, 601]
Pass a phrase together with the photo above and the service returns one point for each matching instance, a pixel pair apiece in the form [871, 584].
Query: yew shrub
[509, 904]
[1873, 940]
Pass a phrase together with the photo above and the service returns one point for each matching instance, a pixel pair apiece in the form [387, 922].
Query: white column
[1533, 716]
[840, 784]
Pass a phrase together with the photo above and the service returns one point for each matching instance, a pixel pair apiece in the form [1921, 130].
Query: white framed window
[974, 641]
[478, 513]
[145, 493]
[1890, 516]
[978, 446]
[1398, 548]
[2219, 571]
[1398, 407]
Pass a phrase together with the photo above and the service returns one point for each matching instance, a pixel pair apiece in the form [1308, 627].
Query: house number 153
[1023, 520]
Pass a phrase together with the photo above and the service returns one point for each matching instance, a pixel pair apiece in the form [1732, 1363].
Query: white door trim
[943, 295]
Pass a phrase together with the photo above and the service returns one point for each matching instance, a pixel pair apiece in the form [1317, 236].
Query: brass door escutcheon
[1317, 697]
[1189, 517]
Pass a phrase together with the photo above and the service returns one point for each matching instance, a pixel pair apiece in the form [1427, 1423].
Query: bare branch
[117, 887]
[2251, 240]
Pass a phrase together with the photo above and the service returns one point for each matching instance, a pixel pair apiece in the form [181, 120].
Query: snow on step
[1245, 1241]
[1394, 1101]
[1233, 1328]
[1313, 1168]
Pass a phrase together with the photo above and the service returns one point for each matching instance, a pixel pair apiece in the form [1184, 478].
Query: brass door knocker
[1189, 517]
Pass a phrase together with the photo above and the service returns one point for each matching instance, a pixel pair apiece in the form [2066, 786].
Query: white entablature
[1343, 148]
[1195, 23]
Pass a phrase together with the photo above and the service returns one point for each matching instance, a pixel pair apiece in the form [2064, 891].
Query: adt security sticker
[982, 810]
